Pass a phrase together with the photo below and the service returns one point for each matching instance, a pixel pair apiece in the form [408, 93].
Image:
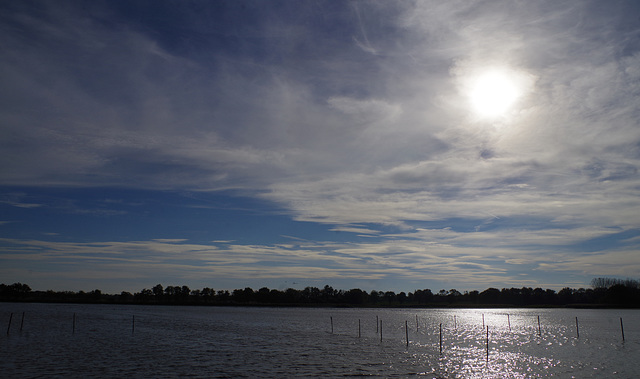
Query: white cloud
[354, 229]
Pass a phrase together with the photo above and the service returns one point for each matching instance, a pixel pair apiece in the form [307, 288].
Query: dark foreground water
[286, 342]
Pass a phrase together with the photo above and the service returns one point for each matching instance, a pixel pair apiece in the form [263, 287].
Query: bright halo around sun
[493, 93]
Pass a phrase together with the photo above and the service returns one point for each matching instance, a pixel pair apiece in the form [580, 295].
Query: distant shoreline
[607, 293]
[346, 306]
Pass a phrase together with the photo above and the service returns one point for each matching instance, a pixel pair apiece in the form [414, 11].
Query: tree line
[609, 292]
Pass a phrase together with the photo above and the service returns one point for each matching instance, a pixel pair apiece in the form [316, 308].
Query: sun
[493, 93]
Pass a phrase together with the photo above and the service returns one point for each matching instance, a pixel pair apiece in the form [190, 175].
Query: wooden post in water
[358, 328]
[487, 343]
[380, 330]
[406, 331]
[133, 324]
[483, 321]
[509, 321]
[377, 323]
[331, 317]
[539, 332]
[622, 329]
[577, 329]
[9, 326]
[22, 322]
[440, 338]
[74, 323]
[417, 324]
[455, 323]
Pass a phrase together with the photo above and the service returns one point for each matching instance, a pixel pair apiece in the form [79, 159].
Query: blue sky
[291, 144]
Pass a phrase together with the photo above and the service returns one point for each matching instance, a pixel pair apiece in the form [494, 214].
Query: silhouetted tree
[170, 292]
[207, 294]
[390, 297]
[355, 296]
[424, 296]
[143, 296]
[490, 296]
[453, 295]
[158, 291]
[125, 297]
[15, 291]
[224, 296]
[311, 295]
[292, 296]
[374, 296]
[327, 294]
[183, 294]
[565, 296]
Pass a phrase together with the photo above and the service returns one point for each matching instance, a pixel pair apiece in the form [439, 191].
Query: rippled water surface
[172, 341]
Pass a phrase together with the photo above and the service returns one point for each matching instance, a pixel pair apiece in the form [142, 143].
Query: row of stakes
[378, 328]
[73, 329]
[406, 329]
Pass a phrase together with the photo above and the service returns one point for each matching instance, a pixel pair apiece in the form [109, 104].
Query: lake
[180, 341]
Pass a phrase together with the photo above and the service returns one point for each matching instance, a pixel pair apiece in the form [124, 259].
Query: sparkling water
[179, 341]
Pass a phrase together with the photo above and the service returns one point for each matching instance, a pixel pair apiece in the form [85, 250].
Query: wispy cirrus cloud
[407, 255]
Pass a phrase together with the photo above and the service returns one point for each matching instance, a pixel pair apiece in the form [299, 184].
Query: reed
[9, 326]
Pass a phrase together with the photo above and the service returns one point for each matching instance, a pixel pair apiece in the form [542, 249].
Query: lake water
[174, 341]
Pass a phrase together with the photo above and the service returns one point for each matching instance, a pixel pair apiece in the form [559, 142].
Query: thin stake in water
[380, 330]
[487, 343]
[483, 321]
[74, 323]
[331, 317]
[22, 322]
[377, 323]
[440, 338]
[577, 329]
[622, 329]
[406, 331]
[358, 328]
[9, 326]
[133, 324]
[539, 332]
[509, 321]
[417, 324]
[455, 323]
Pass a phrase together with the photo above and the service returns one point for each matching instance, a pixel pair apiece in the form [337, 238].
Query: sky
[381, 145]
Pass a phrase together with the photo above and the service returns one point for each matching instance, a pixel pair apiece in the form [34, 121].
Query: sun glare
[493, 93]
